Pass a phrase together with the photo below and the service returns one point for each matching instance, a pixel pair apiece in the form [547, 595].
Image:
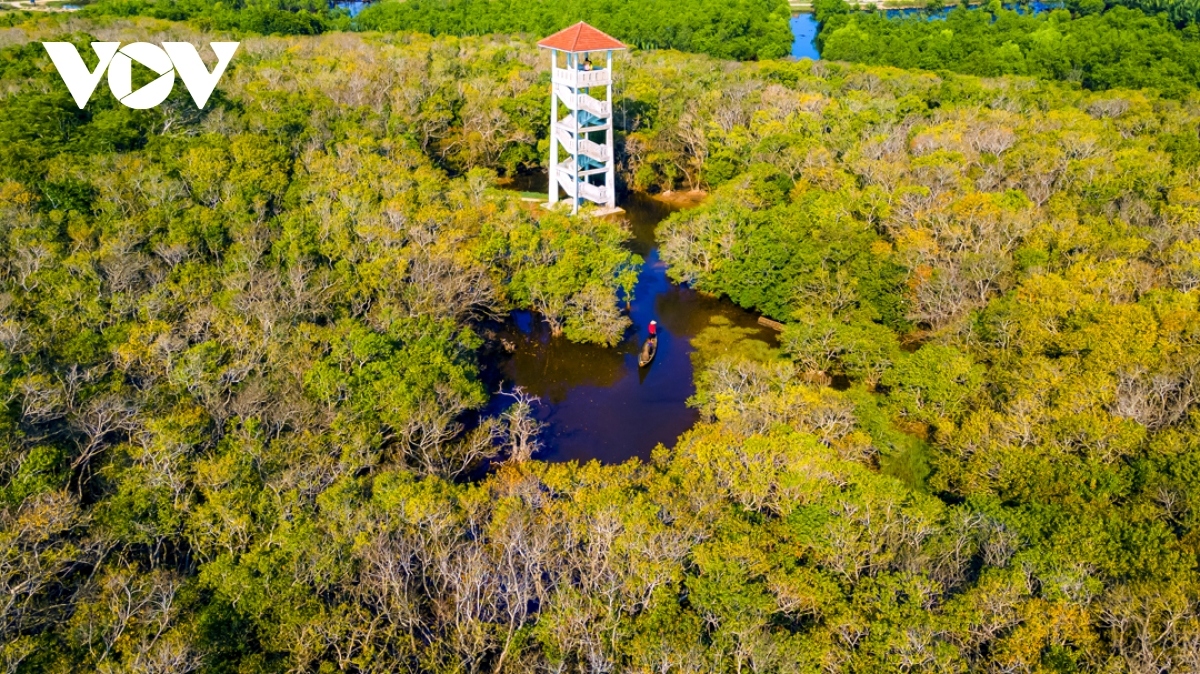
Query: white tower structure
[582, 124]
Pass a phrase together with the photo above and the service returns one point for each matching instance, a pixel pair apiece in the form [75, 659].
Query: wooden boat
[648, 350]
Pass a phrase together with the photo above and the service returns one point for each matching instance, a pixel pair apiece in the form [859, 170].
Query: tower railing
[582, 78]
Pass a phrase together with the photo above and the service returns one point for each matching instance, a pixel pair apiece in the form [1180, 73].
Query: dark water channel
[596, 402]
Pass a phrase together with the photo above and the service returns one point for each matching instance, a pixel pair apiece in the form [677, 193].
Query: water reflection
[550, 368]
[597, 403]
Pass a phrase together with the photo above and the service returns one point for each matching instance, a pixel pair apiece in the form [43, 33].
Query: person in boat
[650, 346]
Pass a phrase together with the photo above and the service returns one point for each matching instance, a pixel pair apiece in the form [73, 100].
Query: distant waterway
[351, 6]
[596, 401]
[941, 14]
[804, 25]
[804, 37]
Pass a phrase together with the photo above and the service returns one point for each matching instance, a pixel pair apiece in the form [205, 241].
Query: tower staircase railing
[586, 147]
[588, 123]
[582, 189]
[586, 167]
[581, 101]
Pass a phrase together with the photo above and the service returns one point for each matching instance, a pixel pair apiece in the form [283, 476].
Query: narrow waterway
[597, 403]
[804, 25]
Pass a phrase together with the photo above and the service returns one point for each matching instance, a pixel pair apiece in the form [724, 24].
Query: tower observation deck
[581, 115]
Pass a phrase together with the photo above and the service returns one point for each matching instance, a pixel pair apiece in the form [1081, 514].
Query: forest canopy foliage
[262, 17]
[1180, 12]
[241, 348]
[732, 29]
[1117, 48]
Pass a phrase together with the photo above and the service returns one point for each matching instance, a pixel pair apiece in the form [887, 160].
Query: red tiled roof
[580, 38]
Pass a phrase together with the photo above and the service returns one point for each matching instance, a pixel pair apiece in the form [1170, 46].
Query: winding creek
[596, 402]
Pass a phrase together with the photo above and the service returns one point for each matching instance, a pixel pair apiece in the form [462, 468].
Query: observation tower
[583, 86]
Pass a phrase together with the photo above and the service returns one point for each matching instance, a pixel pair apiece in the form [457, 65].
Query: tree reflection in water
[596, 402]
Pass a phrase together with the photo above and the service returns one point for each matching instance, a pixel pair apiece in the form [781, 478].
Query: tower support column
[610, 175]
[552, 170]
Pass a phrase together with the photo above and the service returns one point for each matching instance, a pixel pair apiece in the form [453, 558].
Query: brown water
[597, 403]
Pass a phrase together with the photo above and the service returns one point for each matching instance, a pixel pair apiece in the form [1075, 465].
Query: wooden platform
[600, 212]
[605, 212]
